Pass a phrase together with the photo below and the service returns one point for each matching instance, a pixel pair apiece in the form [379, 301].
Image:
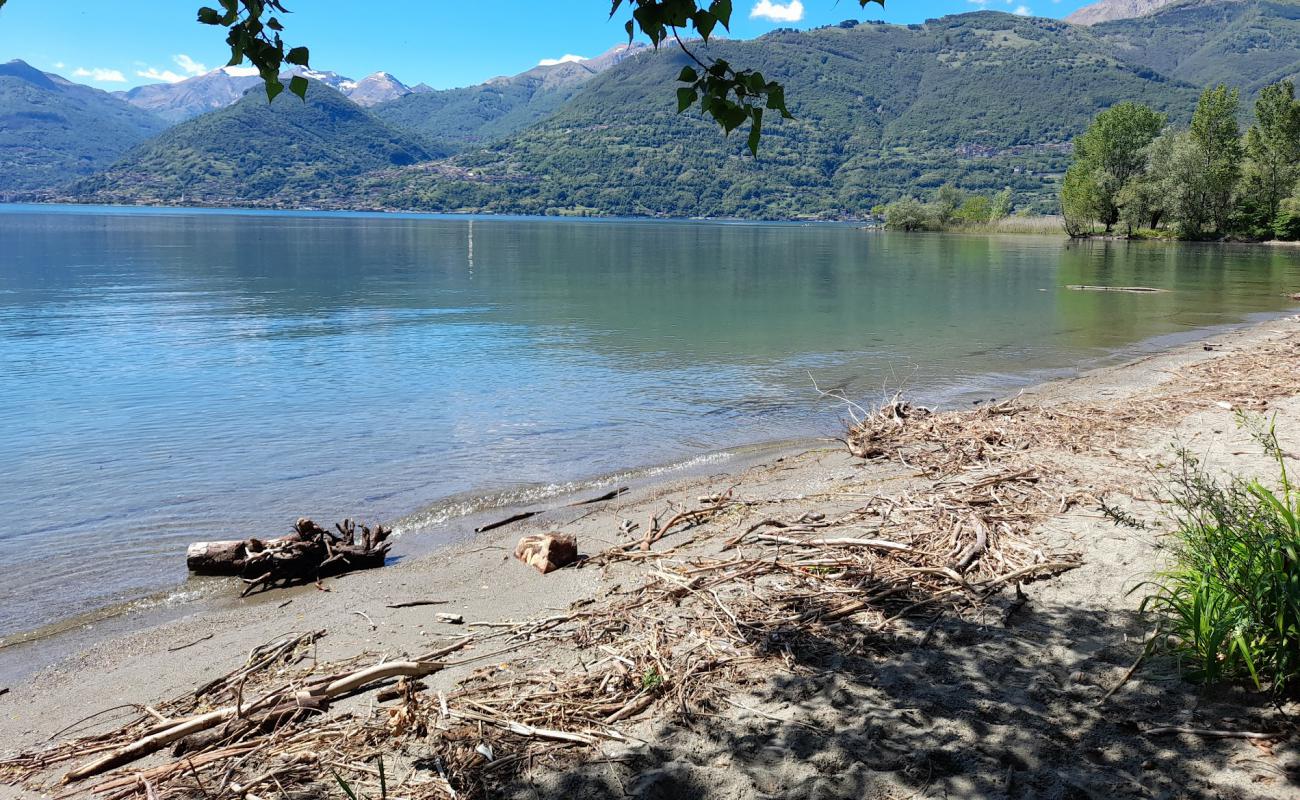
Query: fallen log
[1130, 289]
[308, 554]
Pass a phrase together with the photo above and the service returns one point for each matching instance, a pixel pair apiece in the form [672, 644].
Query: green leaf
[776, 100]
[688, 75]
[343, 785]
[298, 85]
[273, 89]
[755, 130]
[298, 55]
[721, 10]
[685, 97]
[209, 16]
[628, 27]
[703, 22]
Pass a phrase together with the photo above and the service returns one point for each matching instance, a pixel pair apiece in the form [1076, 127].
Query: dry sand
[1004, 702]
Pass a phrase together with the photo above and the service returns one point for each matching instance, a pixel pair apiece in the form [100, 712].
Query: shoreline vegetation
[942, 603]
[1133, 171]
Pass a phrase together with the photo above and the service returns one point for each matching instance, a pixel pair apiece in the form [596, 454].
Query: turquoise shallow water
[172, 376]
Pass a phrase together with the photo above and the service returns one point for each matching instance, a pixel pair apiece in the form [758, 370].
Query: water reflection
[187, 376]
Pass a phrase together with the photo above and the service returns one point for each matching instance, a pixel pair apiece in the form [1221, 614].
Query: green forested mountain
[1243, 43]
[499, 107]
[53, 130]
[983, 99]
[289, 152]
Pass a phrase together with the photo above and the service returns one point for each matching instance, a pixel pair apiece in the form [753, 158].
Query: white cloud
[766, 9]
[59, 65]
[980, 3]
[163, 76]
[189, 65]
[100, 75]
[189, 68]
[1023, 11]
[567, 58]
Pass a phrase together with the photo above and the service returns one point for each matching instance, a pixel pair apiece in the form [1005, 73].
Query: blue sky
[445, 43]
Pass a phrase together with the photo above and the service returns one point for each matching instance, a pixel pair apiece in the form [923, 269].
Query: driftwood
[1214, 734]
[503, 522]
[308, 554]
[1130, 289]
[272, 709]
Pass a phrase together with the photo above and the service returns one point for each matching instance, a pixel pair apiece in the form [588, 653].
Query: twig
[606, 496]
[522, 515]
[191, 644]
[1213, 734]
[414, 603]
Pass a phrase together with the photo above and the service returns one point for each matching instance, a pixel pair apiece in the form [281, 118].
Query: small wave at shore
[468, 504]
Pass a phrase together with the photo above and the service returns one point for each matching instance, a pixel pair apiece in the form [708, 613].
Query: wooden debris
[612, 495]
[547, 552]
[683, 637]
[308, 554]
[1214, 734]
[1131, 289]
[450, 619]
[522, 515]
[183, 646]
[417, 603]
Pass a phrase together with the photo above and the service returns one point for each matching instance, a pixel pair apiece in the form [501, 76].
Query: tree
[1079, 201]
[1272, 150]
[947, 199]
[1110, 154]
[1001, 206]
[733, 97]
[908, 214]
[1217, 140]
[1178, 168]
[1144, 202]
[977, 209]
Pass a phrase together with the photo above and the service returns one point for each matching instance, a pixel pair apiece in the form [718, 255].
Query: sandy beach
[1002, 694]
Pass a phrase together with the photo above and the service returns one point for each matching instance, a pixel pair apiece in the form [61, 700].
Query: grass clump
[1229, 605]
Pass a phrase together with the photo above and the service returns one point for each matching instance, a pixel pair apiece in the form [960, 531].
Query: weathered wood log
[227, 557]
[309, 553]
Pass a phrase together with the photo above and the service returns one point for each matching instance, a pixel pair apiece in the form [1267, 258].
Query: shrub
[1229, 606]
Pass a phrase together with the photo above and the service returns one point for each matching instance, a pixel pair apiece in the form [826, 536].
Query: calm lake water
[176, 376]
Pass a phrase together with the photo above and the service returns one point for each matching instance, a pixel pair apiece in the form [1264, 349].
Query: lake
[171, 376]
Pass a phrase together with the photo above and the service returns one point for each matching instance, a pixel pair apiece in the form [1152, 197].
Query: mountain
[1106, 10]
[983, 99]
[1248, 44]
[288, 152]
[182, 100]
[53, 130]
[177, 102]
[377, 88]
[501, 106]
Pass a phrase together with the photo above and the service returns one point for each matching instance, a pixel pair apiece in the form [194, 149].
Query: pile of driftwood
[308, 554]
[727, 591]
